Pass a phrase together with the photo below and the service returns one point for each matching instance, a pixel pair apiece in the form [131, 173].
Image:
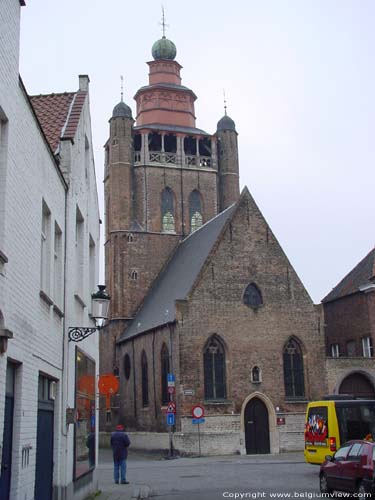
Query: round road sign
[197, 411]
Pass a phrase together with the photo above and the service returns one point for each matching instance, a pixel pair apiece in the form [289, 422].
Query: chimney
[84, 81]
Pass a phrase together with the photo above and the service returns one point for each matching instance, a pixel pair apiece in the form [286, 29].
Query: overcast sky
[299, 78]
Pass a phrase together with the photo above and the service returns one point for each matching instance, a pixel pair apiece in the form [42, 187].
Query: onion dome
[226, 123]
[164, 49]
[122, 110]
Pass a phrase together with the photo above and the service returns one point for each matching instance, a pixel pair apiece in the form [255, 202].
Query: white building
[49, 254]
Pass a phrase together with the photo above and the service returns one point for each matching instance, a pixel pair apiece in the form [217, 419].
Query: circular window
[127, 366]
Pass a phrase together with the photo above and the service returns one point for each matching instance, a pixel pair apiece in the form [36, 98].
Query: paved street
[211, 478]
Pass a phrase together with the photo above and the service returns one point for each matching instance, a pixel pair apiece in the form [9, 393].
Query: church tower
[162, 182]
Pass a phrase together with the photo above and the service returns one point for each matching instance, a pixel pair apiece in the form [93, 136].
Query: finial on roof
[122, 88]
[225, 103]
[163, 23]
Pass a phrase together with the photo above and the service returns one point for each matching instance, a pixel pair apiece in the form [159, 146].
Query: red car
[350, 469]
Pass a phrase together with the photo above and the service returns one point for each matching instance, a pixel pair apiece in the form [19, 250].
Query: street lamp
[99, 311]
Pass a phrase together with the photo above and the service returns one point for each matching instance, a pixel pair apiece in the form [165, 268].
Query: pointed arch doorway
[257, 432]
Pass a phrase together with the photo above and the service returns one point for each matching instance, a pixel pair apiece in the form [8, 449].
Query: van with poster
[335, 420]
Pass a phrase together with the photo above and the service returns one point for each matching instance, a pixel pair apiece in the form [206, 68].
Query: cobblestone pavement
[150, 475]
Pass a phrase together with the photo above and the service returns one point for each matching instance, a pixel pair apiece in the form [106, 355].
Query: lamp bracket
[78, 333]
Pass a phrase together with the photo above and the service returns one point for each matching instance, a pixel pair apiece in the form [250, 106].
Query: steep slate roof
[59, 114]
[178, 277]
[359, 276]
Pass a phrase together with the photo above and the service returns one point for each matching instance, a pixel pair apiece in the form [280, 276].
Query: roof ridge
[52, 94]
[336, 291]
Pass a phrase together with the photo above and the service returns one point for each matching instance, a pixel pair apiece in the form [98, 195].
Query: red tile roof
[59, 114]
[362, 274]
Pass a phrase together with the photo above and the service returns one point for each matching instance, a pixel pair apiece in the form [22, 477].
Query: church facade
[200, 287]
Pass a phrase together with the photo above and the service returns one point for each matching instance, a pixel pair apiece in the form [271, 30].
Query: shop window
[85, 445]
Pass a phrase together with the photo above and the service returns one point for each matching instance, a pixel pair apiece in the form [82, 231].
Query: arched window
[214, 369]
[195, 210]
[134, 275]
[293, 370]
[127, 366]
[252, 296]
[256, 375]
[167, 211]
[144, 379]
[164, 374]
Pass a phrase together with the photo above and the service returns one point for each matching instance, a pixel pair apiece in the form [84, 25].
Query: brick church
[200, 286]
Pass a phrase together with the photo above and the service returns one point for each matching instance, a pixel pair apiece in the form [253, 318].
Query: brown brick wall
[150, 182]
[350, 318]
[247, 252]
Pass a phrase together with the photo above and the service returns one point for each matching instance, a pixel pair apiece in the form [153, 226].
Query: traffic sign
[171, 377]
[170, 419]
[197, 411]
[171, 408]
[171, 390]
[198, 421]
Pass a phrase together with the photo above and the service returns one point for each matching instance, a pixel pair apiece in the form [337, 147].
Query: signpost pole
[199, 441]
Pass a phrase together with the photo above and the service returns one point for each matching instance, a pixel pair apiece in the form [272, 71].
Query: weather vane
[163, 23]
[225, 103]
[122, 88]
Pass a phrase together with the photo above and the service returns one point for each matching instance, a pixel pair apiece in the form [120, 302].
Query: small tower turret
[229, 188]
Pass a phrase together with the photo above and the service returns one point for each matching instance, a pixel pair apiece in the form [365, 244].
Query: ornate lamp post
[99, 311]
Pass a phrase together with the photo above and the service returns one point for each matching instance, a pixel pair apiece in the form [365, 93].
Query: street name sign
[198, 421]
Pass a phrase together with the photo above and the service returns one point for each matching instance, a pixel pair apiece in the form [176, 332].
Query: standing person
[120, 443]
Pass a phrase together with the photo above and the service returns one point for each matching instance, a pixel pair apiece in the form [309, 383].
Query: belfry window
[164, 374]
[167, 211]
[293, 370]
[195, 210]
[144, 379]
[214, 369]
[252, 296]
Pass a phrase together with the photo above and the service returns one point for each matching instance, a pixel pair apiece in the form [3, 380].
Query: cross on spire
[225, 103]
[163, 23]
[122, 88]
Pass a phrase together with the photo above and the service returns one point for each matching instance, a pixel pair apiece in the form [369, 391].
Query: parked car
[350, 469]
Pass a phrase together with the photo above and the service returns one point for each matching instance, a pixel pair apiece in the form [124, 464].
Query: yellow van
[332, 422]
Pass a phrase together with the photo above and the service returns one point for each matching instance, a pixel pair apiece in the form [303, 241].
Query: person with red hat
[120, 443]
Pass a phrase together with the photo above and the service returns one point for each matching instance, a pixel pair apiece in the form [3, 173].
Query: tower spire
[225, 103]
[163, 23]
[122, 88]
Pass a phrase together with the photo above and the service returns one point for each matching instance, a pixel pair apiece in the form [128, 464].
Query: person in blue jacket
[120, 443]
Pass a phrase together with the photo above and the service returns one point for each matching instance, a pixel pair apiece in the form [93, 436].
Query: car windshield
[342, 452]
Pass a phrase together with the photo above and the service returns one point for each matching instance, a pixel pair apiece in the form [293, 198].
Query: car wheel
[361, 490]
[323, 484]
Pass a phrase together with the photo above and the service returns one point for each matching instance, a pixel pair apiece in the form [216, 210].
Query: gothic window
[127, 366]
[214, 369]
[256, 375]
[252, 296]
[195, 210]
[134, 275]
[167, 211]
[130, 238]
[293, 370]
[144, 379]
[164, 374]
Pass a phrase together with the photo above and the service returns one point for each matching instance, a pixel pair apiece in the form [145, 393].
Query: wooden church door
[257, 434]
